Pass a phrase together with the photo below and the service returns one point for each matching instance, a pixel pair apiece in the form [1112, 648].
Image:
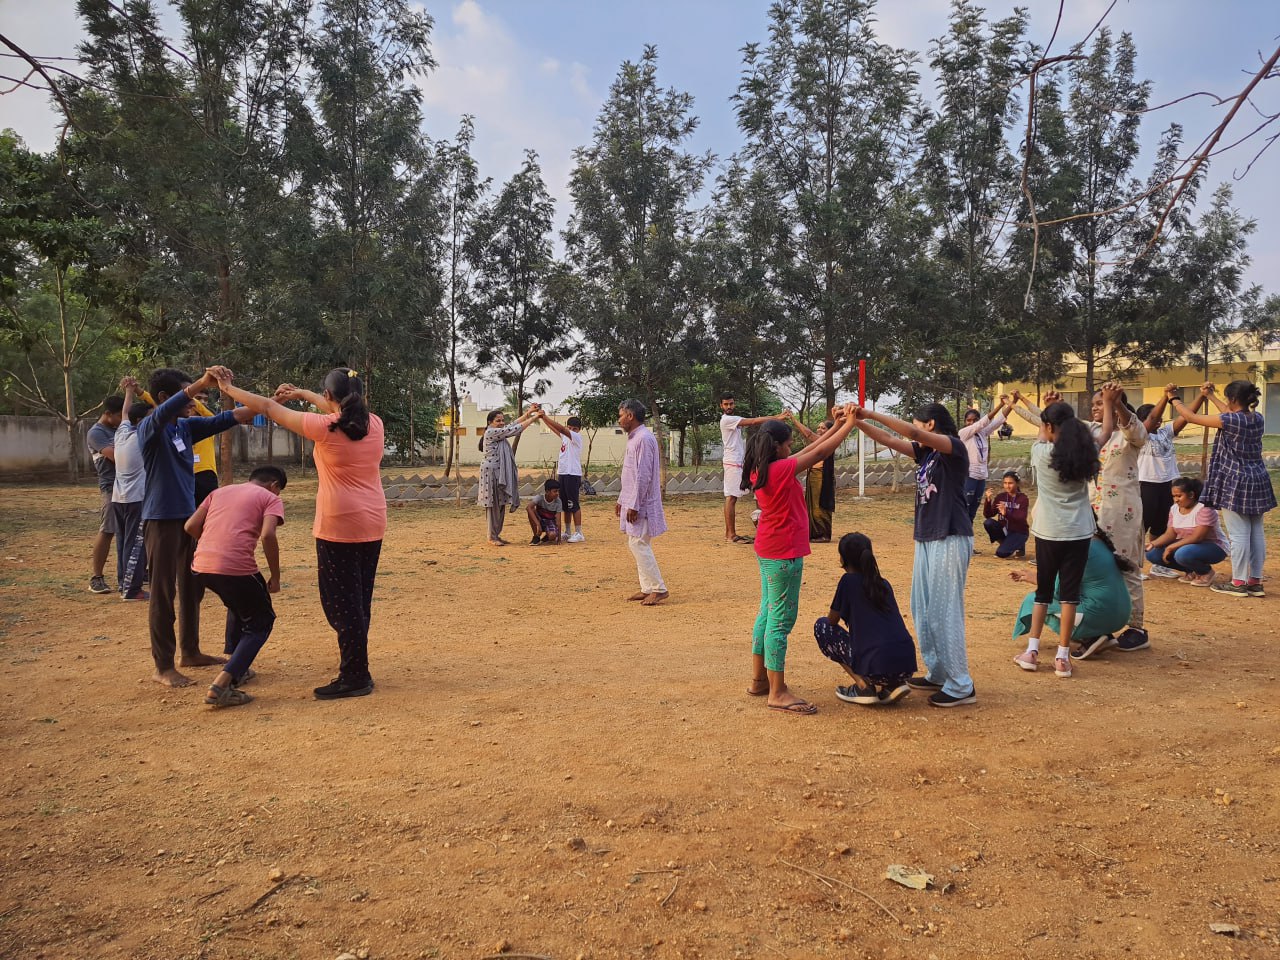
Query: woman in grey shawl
[499, 482]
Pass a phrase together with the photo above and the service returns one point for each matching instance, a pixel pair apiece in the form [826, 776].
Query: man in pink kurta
[639, 506]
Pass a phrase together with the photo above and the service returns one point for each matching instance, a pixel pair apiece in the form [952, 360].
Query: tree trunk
[412, 437]
[68, 388]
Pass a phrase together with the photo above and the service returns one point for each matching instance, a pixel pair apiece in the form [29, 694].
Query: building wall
[1147, 386]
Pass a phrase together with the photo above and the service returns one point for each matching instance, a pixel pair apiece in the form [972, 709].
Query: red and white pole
[862, 401]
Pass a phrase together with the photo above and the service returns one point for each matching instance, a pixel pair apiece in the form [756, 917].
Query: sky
[534, 74]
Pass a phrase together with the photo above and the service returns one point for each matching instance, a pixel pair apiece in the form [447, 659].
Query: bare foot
[758, 688]
[653, 599]
[497, 543]
[202, 660]
[638, 596]
[170, 678]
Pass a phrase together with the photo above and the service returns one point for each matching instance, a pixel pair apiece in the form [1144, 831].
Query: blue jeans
[1193, 558]
[974, 488]
[1248, 546]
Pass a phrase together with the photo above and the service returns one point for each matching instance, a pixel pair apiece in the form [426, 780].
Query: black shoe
[1132, 639]
[856, 694]
[1254, 590]
[941, 699]
[342, 687]
[535, 541]
[922, 683]
[1093, 645]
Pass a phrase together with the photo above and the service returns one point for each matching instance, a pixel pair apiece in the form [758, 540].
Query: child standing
[1238, 484]
[876, 650]
[127, 496]
[781, 544]
[227, 527]
[544, 514]
[569, 473]
[944, 545]
[166, 438]
[1065, 460]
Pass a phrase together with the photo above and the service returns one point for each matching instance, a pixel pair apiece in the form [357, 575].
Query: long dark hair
[856, 556]
[1075, 455]
[493, 415]
[353, 413]
[943, 422]
[1243, 392]
[1123, 563]
[762, 450]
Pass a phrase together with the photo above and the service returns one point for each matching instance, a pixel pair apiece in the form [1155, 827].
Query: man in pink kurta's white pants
[639, 506]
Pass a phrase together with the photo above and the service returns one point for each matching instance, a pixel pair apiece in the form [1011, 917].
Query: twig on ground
[969, 822]
[267, 896]
[519, 956]
[829, 880]
[672, 892]
[210, 896]
[1100, 856]
[662, 870]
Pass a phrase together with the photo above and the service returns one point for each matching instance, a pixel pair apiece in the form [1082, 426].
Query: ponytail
[856, 556]
[344, 386]
[1075, 455]
[1124, 564]
[762, 450]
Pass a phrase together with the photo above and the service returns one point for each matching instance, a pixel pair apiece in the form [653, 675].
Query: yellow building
[1147, 385]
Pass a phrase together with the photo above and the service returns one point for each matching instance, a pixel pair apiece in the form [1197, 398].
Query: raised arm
[800, 425]
[825, 445]
[1179, 422]
[287, 392]
[909, 432]
[554, 427]
[1156, 416]
[1030, 412]
[1209, 391]
[292, 420]
[1187, 413]
[863, 422]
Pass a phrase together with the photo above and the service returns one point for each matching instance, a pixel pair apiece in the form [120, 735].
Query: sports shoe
[922, 683]
[342, 687]
[228, 696]
[856, 694]
[1253, 589]
[1093, 645]
[576, 538]
[1230, 589]
[1062, 667]
[1163, 572]
[941, 699]
[142, 595]
[1028, 660]
[1132, 639]
[893, 695]
[536, 541]
[98, 585]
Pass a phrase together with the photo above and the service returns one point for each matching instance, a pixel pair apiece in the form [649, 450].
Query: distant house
[1261, 366]
[539, 445]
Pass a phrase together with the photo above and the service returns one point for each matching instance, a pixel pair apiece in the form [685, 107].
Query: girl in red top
[782, 543]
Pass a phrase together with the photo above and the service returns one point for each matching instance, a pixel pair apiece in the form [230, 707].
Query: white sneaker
[576, 538]
[1163, 572]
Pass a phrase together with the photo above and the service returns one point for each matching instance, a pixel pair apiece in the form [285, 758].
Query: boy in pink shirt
[227, 527]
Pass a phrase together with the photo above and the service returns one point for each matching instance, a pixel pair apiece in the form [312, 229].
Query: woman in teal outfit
[1104, 601]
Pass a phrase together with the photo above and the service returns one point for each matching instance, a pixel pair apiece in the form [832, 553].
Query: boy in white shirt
[127, 494]
[569, 472]
[734, 446]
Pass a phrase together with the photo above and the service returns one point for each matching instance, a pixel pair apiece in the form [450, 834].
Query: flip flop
[741, 539]
[800, 708]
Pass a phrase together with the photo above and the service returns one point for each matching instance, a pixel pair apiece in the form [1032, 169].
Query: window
[479, 431]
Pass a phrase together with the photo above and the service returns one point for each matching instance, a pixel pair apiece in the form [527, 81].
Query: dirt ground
[546, 770]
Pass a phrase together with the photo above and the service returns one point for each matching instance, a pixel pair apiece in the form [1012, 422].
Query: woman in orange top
[351, 509]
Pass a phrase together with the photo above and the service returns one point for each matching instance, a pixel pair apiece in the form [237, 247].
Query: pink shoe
[1061, 667]
[1028, 661]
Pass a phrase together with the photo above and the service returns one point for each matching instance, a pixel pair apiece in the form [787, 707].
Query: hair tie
[352, 373]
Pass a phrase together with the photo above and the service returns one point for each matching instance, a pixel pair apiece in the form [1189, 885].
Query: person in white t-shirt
[569, 472]
[127, 495]
[734, 446]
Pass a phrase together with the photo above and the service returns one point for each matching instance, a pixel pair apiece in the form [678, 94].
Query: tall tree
[514, 320]
[461, 193]
[628, 242]
[971, 188]
[832, 116]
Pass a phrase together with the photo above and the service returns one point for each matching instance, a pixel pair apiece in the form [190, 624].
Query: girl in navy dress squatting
[876, 650]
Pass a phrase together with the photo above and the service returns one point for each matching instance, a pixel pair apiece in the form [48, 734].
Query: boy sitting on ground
[226, 528]
[544, 513]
